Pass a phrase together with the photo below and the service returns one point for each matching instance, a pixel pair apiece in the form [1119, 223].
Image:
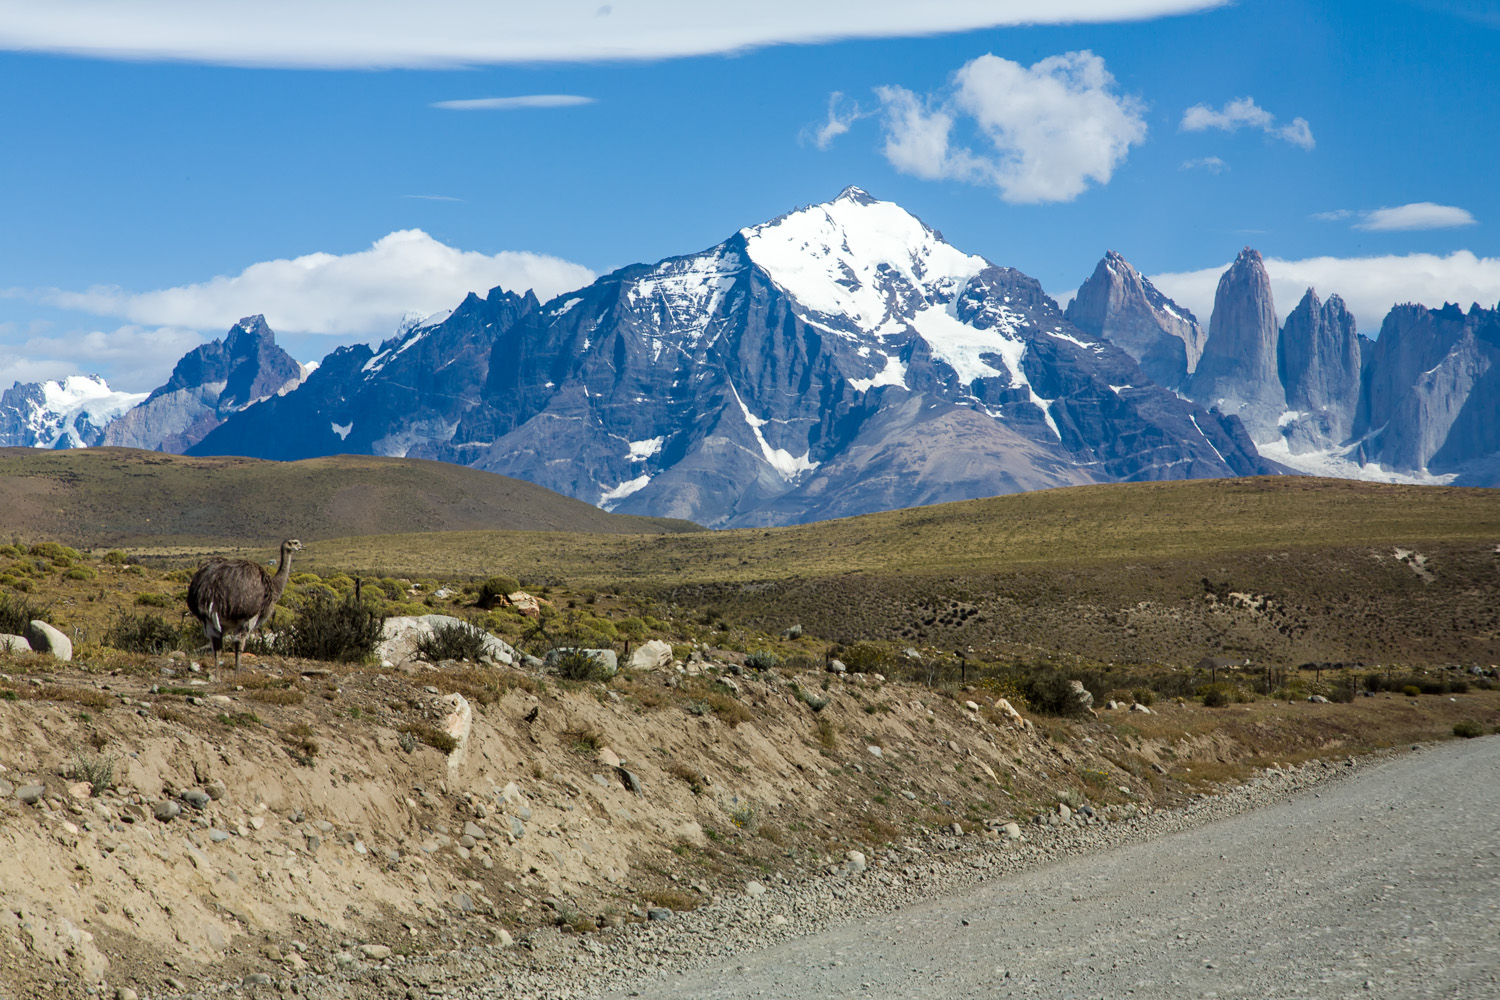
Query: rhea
[233, 597]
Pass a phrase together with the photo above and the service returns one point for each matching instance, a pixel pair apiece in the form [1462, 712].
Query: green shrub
[1144, 696]
[95, 768]
[81, 573]
[56, 552]
[17, 612]
[1411, 690]
[154, 600]
[576, 665]
[456, 641]
[1468, 729]
[144, 633]
[864, 657]
[493, 591]
[762, 659]
[114, 557]
[434, 737]
[327, 628]
[1051, 693]
[1216, 696]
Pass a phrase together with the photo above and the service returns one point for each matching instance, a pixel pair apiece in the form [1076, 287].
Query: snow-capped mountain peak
[860, 261]
[62, 413]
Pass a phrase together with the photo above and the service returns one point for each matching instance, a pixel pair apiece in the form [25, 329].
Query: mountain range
[841, 359]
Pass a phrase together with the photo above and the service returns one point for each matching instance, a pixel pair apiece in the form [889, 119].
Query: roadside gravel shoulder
[556, 966]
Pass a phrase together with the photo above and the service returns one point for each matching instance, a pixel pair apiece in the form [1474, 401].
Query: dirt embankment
[320, 817]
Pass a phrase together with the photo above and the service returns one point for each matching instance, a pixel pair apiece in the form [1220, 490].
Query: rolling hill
[125, 497]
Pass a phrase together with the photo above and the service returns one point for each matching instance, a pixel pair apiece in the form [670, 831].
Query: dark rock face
[1121, 305]
[207, 385]
[1319, 361]
[837, 360]
[1431, 393]
[1238, 370]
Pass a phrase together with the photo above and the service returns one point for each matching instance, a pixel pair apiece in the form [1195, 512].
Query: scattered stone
[1138, 707]
[837, 667]
[376, 952]
[1081, 694]
[856, 861]
[13, 644]
[217, 836]
[257, 979]
[503, 938]
[216, 789]
[1317, 699]
[956, 829]
[517, 829]
[1063, 812]
[652, 655]
[1012, 830]
[608, 757]
[173, 983]
[907, 793]
[166, 810]
[6, 788]
[80, 790]
[195, 797]
[313, 842]
[463, 902]
[476, 831]
[875, 751]
[972, 706]
[658, 913]
[126, 993]
[401, 634]
[755, 889]
[795, 632]
[45, 638]
[631, 781]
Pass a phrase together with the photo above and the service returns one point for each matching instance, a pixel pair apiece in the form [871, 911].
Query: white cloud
[442, 33]
[1368, 285]
[1417, 215]
[132, 358]
[1244, 112]
[362, 294]
[1049, 128]
[838, 121]
[512, 103]
[1212, 164]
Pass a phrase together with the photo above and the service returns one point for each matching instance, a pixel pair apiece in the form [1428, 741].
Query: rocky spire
[1121, 305]
[1318, 358]
[1238, 371]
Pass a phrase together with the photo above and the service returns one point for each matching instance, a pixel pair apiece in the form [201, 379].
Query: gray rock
[658, 913]
[216, 789]
[401, 634]
[217, 836]
[837, 667]
[6, 788]
[795, 632]
[754, 889]
[1081, 694]
[517, 828]
[875, 751]
[476, 831]
[1318, 699]
[45, 638]
[1012, 830]
[467, 842]
[856, 862]
[631, 781]
[126, 993]
[166, 810]
[14, 644]
[651, 655]
[1318, 356]
[376, 952]
[1138, 707]
[1121, 305]
[463, 902]
[195, 797]
[257, 979]
[1063, 812]
[30, 795]
[956, 829]
[313, 842]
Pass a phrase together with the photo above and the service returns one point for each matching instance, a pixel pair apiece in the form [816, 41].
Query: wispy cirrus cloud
[448, 33]
[842, 113]
[514, 103]
[1243, 112]
[1402, 218]
[362, 294]
[1212, 164]
[1045, 131]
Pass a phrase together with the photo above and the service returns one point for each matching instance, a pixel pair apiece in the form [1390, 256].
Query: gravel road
[1384, 884]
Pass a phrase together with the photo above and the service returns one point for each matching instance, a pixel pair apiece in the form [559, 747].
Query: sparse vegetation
[143, 633]
[421, 732]
[17, 612]
[328, 628]
[1467, 729]
[456, 641]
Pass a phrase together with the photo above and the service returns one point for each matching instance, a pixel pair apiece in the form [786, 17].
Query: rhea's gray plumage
[236, 596]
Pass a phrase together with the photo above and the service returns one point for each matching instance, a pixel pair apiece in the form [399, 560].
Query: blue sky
[149, 190]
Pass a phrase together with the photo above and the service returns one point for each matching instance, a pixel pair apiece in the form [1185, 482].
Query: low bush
[456, 641]
[493, 591]
[1144, 696]
[762, 659]
[16, 612]
[97, 769]
[1051, 692]
[81, 573]
[153, 600]
[1216, 696]
[1468, 729]
[576, 665]
[144, 633]
[327, 628]
[1411, 690]
[432, 736]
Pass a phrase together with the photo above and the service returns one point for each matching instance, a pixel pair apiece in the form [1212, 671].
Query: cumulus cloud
[513, 103]
[1369, 285]
[442, 33]
[1044, 131]
[363, 294]
[132, 358]
[1243, 112]
[1212, 164]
